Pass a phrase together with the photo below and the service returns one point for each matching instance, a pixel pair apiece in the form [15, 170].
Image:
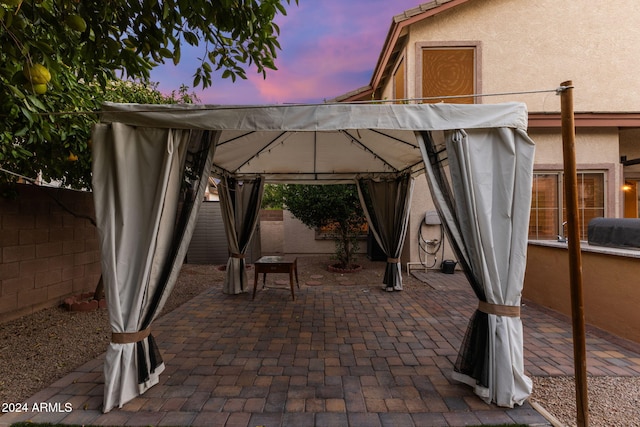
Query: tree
[54, 50]
[335, 207]
[65, 156]
[273, 196]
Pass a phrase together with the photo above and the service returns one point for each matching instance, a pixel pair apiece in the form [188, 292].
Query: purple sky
[329, 47]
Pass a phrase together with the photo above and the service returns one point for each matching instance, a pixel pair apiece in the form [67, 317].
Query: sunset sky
[329, 47]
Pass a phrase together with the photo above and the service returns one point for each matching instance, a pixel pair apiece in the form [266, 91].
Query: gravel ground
[38, 349]
[613, 401]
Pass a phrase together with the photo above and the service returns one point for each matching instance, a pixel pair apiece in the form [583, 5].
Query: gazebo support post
[573, 243]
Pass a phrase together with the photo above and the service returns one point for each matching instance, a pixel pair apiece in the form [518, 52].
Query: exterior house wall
[420, 204]
[46, 253]
[539, 44]
[528, 46]
[592, 146]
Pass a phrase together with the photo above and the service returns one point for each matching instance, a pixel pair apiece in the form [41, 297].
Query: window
[548, 195]
[543, 223]
[449, 71]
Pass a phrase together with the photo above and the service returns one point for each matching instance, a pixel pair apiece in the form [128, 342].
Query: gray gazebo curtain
[386, 203]
[240, 202]
[485, 211]
[146, 206]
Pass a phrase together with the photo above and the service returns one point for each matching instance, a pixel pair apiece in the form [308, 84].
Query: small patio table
[275, 264]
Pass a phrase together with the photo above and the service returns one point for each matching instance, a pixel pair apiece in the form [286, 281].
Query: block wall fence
[46, 253]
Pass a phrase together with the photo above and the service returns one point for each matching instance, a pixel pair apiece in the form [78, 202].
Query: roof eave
[361, 94]
[402, 21]
[587, 119]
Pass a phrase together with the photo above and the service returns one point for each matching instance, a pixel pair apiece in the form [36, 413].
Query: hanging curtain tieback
[499, 310]
[391, 260]
[129, 337]
[239, 256]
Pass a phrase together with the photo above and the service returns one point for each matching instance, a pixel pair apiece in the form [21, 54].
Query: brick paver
[338, 355]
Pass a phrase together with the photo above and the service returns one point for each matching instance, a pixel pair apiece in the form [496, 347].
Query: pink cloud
[329, 47]
[319, 67]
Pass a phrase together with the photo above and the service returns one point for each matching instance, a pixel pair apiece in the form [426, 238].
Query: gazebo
[151, 164]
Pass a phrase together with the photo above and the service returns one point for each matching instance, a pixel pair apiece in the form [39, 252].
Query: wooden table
[275, 264]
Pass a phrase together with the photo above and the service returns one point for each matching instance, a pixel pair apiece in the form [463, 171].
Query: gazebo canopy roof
[328, 143]
[143, 153]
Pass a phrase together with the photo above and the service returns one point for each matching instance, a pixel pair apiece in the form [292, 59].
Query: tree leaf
[36, 102]
[166, 53]
[176, 55]
[190, 38]
[17, 92]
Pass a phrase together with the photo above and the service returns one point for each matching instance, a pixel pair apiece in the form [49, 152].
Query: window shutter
[398, 82]
[448, 72]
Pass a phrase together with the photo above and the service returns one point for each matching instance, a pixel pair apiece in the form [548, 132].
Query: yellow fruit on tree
[37, 74]
[72, 157]
[76, 22]
[38, 89]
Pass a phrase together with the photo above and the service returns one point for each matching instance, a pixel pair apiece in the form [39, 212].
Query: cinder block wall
[300, 239]
[271, 215]
[46, 253]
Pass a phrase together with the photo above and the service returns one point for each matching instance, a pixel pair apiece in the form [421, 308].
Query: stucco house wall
[538, 44]
[531, 46]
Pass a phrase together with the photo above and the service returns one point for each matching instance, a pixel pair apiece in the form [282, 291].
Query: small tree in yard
[336, 207]
[273, 196]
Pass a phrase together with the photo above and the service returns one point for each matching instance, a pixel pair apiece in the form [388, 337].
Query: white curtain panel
[491, 174]
[137, 179]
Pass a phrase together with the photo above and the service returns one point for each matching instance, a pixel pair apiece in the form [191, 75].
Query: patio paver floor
[337, 356]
